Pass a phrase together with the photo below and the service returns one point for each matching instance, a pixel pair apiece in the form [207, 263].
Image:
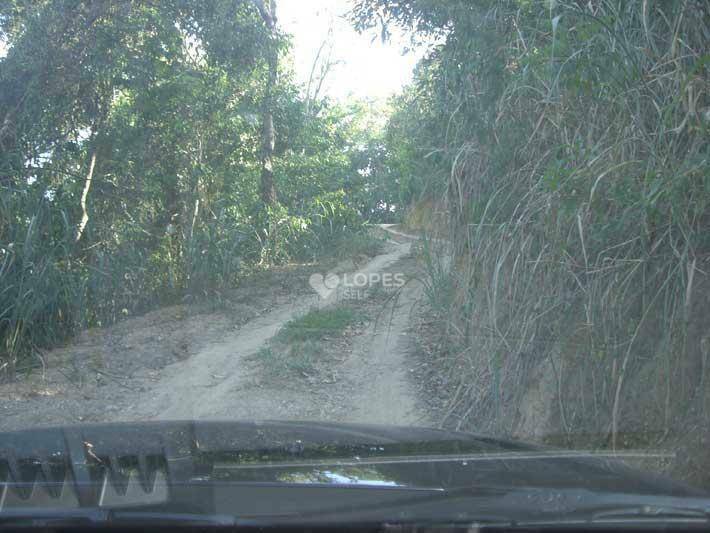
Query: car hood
[286, 468]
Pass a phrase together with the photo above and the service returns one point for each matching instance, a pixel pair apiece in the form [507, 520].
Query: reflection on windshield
[344, 476]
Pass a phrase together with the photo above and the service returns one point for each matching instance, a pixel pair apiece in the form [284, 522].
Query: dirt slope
[171, 366]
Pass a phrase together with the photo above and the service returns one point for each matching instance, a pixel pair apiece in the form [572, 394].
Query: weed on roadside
[319, 323]
[300, 358]
[301, 345]
[359, 244]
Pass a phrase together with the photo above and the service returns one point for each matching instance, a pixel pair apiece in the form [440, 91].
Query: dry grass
[580, 228]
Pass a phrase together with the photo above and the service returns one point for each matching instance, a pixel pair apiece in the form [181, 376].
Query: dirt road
[122, 373]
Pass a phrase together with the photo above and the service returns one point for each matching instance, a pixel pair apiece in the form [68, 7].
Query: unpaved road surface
[181, 364]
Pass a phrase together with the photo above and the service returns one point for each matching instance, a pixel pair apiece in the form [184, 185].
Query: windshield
[481, 216]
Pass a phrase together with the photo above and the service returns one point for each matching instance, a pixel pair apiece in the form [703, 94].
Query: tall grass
[37, 298]
[50, 286]
[580, 216]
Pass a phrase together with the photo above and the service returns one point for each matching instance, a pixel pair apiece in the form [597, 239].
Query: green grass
[297, 347]
[300, 357]
[362, 243]
[319, 323]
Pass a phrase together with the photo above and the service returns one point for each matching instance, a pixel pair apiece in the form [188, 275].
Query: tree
[268, 188]
[134, 166]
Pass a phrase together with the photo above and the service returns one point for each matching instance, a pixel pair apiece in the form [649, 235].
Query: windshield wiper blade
[530, 506]
[661, 512]
[97, 516]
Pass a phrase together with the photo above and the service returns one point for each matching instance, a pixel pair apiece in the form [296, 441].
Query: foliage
[130, 159]
[569, 142]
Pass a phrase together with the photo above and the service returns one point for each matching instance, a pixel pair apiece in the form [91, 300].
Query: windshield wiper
[91, 516]
[531, 506]
[458, 507]
[652, 512]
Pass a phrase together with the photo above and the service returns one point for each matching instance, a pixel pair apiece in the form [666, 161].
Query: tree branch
[84, 197]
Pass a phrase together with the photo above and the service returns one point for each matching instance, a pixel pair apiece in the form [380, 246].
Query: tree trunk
[268, 188]
[268, 140]
[85, 196]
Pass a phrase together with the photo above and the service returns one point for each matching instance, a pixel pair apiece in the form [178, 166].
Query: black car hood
[253, 468]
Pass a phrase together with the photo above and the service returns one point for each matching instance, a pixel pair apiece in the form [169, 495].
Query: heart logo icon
[324, 286]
